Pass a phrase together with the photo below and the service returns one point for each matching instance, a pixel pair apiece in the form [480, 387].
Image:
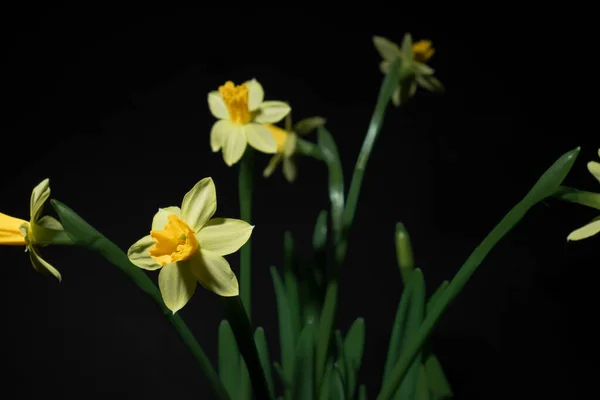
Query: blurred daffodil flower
[287, 140]
[35, 232]
[593, 227]
[242, 113]
[188, 247]
[413, 59]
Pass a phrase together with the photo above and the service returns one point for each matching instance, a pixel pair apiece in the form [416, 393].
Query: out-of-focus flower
[593, 227]
[287, 140]
[188, 247]
[35, 232]
[242, 113]
[413, 60]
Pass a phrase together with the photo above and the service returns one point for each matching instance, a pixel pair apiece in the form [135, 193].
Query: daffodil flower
[593, 227]
[242, 114]
[413, 58]
[35, 232]
[287, 140]
[188, 247]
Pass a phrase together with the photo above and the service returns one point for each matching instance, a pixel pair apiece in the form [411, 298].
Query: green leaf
[353, 352]
[326, 382]
[304, 388]
[397, 336]
[263, 354]
[291, 282]
[325, 328]
[422, 388]
[408, 388]
[546, 186]
[83, 234]
[336, 385]
[436, 379]
[342, 362]
[286, 335]
[436, 295]
[404, 251]
[362, 392]
[287, 385]
[229, 360]
[336, 180]
[308, 125]
[320, 232]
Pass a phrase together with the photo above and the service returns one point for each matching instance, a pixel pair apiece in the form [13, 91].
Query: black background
[111, 106]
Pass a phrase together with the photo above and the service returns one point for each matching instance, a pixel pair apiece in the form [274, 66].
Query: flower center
[177, 242]
[236, 100]
[423, 50]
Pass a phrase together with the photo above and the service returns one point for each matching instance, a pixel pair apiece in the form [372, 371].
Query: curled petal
[39, 195]
[177, 284]
[271, 112]
[273, 163]
[387, 49]
[199, 204]
[594, 169]
[139, 254]
[214, 273]
[40, 264]
[217, 106]
[224, 235]
[586, 231]
[289, 169]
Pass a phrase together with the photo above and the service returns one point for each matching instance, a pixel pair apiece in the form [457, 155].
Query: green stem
[307, 148]
[245, 194]
[242, 330]
[582, 197]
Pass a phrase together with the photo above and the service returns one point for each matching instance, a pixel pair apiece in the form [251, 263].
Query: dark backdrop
[111, 106]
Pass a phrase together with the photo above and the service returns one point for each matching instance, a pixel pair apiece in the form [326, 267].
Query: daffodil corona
[188, 246]
[35, 232]
[242, 113]
[593, 227]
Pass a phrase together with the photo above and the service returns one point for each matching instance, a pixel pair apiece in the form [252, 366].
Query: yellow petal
[289, 169]
[594, 169]
[10, 233]
[271, 112]
[387, 49]
[139, 254]
[214, 273]
[199, 204]
[39, 195]
[177, 284]
[219, 132]
[224, 235]
[161, 218]
[40, 264]
[586, 231]
[234, 145]
[273, 163]
[256, 94]
[217, 105]
[261, 138]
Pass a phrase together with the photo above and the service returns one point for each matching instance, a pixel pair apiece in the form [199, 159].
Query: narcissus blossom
[242, 113]
[188, 246]
[593, 227]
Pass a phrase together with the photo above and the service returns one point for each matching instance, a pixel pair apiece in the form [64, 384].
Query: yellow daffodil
[35, 232]
[242, 114]
[287, 141]
[413, 57]
[188, 247]
[593, 227]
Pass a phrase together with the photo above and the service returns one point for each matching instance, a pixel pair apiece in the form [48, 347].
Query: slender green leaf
[263, 354]
[245, 389]
[546, 186]
[436, 295]
[436, 379]
[422, 388]
[286, 335]
[287, 385]
[245, 195]
[336, 385]
[353, 352]
[320, 232]
[397, 336]
[304, 388]
[362, 392]
[336, 180]
[83, 234]
[325, 329]
[229, 360]
[408, 388]
[342, 362]
[291, 282]
[326, 382]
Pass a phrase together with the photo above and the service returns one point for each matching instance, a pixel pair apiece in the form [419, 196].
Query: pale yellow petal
[219, 133]
[396, 97]
[139, 255]
[384, 66]
[586, 231]
[177, 284]
[273, 163]
[256, 94]
[10, 234]
[214, 273]
[387, 49]
[41, 265]
[234, 145]
[271, 112]
[289, 169]
[161, 218]
[594, 169]
[261, 138]
[39, 195]
[224, 235]
[217, 106]
[407, 47]
[199, 204]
